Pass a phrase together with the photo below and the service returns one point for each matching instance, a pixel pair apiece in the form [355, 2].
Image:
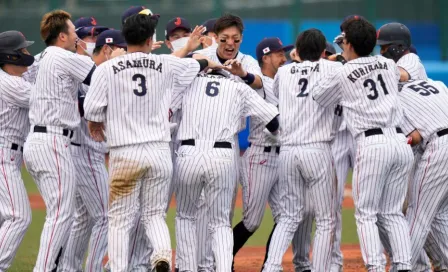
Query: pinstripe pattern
[301, 241]
[138, 174]
[380, 175]
[413, 65]
[91, 212]
[54, 97]
[15, 210]
[305, 166]
[49, 161]
[210, 169]
[112, 96]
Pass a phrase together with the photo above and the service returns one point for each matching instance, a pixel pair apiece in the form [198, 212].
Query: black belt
[65, 132]
[442, 132]
[75, 144]
[378, 131]
[216, 145]
[16, 147]
[268, 149]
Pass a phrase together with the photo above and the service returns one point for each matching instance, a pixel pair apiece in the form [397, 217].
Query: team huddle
[169, 124]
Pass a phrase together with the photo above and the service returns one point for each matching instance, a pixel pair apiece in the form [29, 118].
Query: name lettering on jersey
[146, 63]
[362, 71]
[304, 72]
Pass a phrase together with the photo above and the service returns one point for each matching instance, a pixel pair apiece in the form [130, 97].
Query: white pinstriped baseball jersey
[413, 65]
[54, 97]
[213, 106]
[136, 89]
[14, 104]
[82, 136]
[302, 120]
[256, 127]
[248, 62]
[31, 73]
[425, 107]
[367, 88]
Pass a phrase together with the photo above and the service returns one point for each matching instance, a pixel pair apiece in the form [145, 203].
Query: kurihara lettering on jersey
[355, 74]
[137, 63]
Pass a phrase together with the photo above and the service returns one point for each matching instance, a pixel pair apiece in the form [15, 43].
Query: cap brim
[288, 48]
[122, 45]
[86, 31]
[24, 44]
[381, 42]
[178, 27]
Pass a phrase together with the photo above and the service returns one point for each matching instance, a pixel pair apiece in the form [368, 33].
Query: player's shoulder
[12, 83]
[408, 58]
[208, 52]
[330, 64]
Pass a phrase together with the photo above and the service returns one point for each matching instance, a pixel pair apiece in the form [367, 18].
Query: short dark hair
[138, 28]
[361, 34]
[226, 21]
[97, 49]
[310, 44]
[53, 23]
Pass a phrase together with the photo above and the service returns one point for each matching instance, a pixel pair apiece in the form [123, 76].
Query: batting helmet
[394, 33]
[11, 44]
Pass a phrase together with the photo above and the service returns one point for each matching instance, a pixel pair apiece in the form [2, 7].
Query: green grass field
[27, 253]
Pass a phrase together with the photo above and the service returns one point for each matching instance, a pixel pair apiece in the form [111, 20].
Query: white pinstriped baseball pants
[380, 178]
[49, 161]
[90, 218]
[15, 211]
[202, 167]
[139, 175]
[305, 166]
[259, 179]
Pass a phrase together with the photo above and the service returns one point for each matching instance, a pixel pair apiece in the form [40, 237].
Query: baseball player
[54, 116]
[209, 33]
[259, 175]
[301, 242]
[243, 68]
[426, 121]
[305, 159]
[89, 229]
[15, 210]
[366, 87]
[206, 161]
[138, 134]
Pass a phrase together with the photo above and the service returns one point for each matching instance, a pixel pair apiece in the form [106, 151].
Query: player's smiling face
[229, 41]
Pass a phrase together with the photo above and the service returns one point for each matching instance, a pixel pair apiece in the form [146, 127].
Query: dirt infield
[250, 259]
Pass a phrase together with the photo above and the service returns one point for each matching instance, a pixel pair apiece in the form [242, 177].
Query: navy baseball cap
[351, 17]
[136, 10]
[209, 25]
[87, 26]
[269, 45]
[111, 37]
[176, 23]
[330, 48]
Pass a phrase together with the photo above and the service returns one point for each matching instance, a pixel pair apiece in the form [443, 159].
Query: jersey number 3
[142, 79]
[369, 83]
[212, 88]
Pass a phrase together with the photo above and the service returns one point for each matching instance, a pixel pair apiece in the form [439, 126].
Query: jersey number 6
[212, 88]
[142, 84]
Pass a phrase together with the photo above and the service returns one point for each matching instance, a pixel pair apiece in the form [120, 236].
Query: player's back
[369, 88]
[425, 106]
[139, 95]
[413, 65]
[302, 120]
[213, 106]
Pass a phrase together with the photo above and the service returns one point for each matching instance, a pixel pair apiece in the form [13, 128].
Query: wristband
[249, 78]
[202, 64]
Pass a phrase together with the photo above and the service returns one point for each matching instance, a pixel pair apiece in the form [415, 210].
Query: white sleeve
[327, 92]
[184, 71]
[95, 103]
[276, 86]
[254, 105]
[77, 66]
[176, 103]
[406, 125]
[16, 91]
[253, 67]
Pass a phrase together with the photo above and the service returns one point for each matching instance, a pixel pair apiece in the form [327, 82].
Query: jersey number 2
[372, 85]
[143, 90]
[303, 83]
[212, 88]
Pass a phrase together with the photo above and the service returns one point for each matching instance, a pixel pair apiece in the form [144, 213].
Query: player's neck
[139, 48]
[269, 72]
[11, 70]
